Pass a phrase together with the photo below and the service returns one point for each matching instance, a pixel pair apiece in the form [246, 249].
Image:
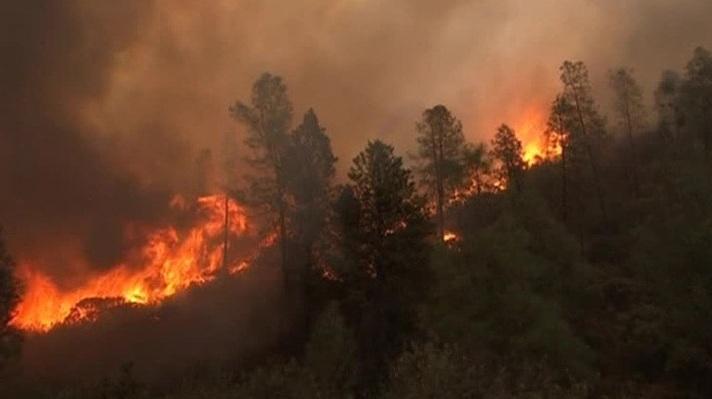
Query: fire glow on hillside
[170, 260]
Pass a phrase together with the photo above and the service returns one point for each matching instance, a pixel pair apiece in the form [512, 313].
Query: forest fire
[529, 128]
[171, 260]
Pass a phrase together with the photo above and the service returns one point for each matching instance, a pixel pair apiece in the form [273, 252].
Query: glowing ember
[450, 237]
[170, 261]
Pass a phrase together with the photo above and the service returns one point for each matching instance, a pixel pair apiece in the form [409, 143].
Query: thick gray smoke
[105, 105]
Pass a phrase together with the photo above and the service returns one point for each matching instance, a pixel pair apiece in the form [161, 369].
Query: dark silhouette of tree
[696, 97]
[267, 119]
[9, 298]
[558, 136]
[440, 143]
[385, 252]
[311, 170]
[667, 105]
[477, 166]
[507, 150]
[630, 113]
[588, 130]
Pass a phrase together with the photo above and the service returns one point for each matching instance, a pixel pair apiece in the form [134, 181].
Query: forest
[462, 270]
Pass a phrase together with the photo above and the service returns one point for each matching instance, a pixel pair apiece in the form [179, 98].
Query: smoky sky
[105, 105]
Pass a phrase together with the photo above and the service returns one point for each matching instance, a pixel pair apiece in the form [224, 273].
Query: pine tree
[631, 115]
[558, 136]
[310, 173]
[267, 119]
[386, 250]
[440, 142]
[507, 150]
[588, 132]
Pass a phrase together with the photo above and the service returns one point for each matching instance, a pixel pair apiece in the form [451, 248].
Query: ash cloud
[107, 105]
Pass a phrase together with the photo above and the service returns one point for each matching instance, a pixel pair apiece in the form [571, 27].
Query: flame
[532, 153]
[529, 128]
[450, 237]
[169, 261]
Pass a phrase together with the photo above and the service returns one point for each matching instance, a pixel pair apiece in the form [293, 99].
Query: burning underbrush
[211, 237]
[181, 299]
[227, 320]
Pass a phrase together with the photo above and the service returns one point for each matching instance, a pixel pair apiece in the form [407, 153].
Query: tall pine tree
[386, 254]
[267, 119]
[440, 145]
[588, 132]
[630, 114]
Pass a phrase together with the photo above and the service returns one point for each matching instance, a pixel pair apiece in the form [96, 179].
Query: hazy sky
[106, 104]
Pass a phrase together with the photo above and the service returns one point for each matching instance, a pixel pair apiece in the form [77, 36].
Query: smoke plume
[105, 106]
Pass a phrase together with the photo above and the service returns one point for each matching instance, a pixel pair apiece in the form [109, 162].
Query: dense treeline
[585, 274]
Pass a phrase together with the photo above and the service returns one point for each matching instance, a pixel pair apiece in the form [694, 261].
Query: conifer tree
[440, 145]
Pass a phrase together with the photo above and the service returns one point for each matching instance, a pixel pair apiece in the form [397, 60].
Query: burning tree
[440, 142]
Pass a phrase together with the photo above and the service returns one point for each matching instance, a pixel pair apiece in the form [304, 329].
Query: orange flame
[450, 237]
[170, 261]
[529, 128]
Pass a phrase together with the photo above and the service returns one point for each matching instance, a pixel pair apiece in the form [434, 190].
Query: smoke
[63, 200]
[105, 106]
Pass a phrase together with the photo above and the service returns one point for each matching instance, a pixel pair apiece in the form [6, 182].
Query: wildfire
[529, 128]
[532, 153]
[171, 260]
